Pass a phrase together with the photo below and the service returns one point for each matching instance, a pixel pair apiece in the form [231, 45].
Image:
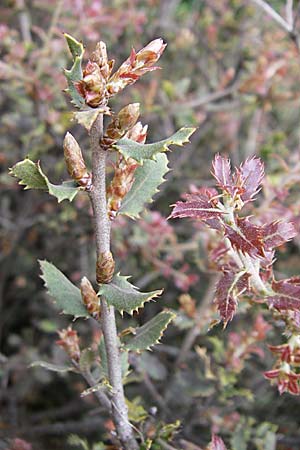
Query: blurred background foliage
[232, 72]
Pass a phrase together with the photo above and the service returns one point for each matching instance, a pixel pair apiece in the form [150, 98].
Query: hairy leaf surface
[151, 332]
[197, 206]
[140, 152]
[31, 175]
[124, 296]
[277, 233]
[286, 294]
[221, 170]
[246, 237]
[147, 179]
[251, 173]
[228, 289]
[66, 295]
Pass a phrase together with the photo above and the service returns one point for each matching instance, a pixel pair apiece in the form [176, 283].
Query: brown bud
[135, 66]
[69, 341]
[99, 56]
[90, 298]
[120, 184]
[75, 162]
[121, 123]
[105, 268]
[92, 87]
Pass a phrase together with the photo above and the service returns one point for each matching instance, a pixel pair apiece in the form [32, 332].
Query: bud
[135, 66]
[121, 123]
[75, 162]
[69, 341]
[99, 56]
[120, 184]
[105, 268]
[138, 133]
[92, 87]
[90, 298]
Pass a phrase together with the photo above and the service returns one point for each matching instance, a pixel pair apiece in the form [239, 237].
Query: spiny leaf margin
[151, 332]
[31, 176]
[75, 73]
[124, 296]
[148, 178]
[141, 152]
[66, 295]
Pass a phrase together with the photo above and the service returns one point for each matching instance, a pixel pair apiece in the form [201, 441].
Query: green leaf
[52, 367]
[65, 191]
[150, 333]
[147, 178]
[136, 412]
[76, 47]
[88, 117]
[140, 152]
[31, 175]
[66, 295]
[75, 73]
[124, 296]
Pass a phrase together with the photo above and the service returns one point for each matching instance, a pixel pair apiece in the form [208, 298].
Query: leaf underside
[140, 152]
[87, 118]
[31, 176]
[151, 332]
[124, 296]
[66, 295]
[148, 178]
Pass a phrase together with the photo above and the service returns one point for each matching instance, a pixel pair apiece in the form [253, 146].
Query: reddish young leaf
[136, 65]
[228, 289]
[277, 233]
[246, 237]
[201, 205]
[286, 294]
[251, 174]
[216, 443]
[287, 381]
[222, 173]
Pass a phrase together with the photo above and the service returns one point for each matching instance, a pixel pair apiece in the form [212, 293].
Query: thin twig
[101, 396]
[24, 21]
[209, 98]
[289, 13]
[272, 13]
[108, 322]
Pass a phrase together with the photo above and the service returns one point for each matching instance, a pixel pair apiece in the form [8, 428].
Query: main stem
[108, 322]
